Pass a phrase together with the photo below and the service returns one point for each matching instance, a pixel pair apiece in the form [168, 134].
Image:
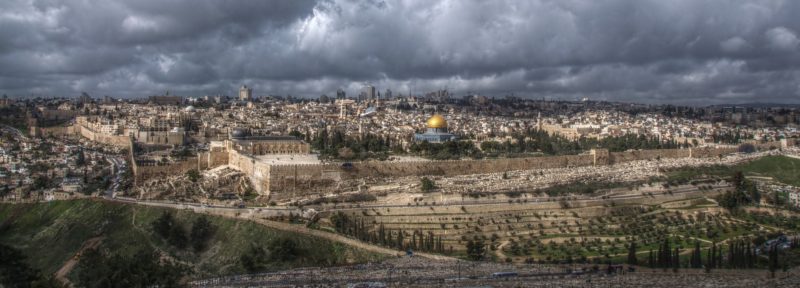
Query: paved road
[119, 166]
[14, 131]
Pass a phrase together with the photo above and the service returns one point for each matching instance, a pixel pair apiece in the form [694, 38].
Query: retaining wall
[286, 181]
[114, 140]
[144, 170]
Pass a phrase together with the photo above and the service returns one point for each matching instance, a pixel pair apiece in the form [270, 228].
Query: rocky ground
[406, 189]
[419, 272]
[216, 186]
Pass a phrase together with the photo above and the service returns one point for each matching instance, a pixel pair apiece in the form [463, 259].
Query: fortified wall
[321, 177]
[114, 140]
[216, 156]
[258, 172]
[56, 131]
[292, 180]
[284, 181]
[143, 170]
[287, 180]
[159, 137]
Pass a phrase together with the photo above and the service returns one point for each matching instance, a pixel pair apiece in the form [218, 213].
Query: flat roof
[288, 159]
[266, 138]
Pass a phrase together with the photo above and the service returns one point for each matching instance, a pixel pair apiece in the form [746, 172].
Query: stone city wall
[56, 114]
[212, 158]
[56, 131]
[298, 180]
[283, 182]
[159, 137]
[774, 145]
[114, 140]
[258, 172]
[771, 145]
[323, 178]
[628, 156]
[707, 152]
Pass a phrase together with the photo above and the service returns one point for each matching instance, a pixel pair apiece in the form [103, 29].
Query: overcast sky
[654, 51]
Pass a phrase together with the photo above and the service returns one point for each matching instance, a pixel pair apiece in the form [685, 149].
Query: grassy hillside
[781, 168]
[50, 233]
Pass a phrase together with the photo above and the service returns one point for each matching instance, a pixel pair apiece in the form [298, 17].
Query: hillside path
[247, 214]
[336, 238]
[61, 274]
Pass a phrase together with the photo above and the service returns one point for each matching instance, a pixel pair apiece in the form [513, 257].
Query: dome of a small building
[189, 108]
[436, 121]
[238, 133]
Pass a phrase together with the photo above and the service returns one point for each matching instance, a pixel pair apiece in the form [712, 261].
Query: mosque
[241, 140]
[436, 132]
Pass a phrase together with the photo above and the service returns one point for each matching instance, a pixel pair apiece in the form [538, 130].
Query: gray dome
[238, 133]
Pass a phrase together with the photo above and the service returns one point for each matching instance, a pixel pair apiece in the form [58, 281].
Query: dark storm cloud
[685, 51]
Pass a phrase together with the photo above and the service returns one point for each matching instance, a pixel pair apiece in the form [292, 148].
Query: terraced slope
[548, 231]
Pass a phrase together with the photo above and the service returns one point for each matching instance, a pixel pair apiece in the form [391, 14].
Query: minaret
[539, 121]
[360, 130]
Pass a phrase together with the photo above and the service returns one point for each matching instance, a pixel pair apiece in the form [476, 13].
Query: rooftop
[289, 159]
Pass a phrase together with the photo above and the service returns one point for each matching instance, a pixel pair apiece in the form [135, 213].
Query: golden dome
[437, 121]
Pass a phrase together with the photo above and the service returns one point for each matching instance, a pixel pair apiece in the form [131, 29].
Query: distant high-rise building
[368, 92]
[388, 94]
[245, 93]
[340, 94]
[5, 102]
[84, 99]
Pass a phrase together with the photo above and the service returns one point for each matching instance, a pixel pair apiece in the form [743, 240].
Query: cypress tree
[712, 256]
[382, 234]
[696, 261]
[427, 241]
[773, 260]
[665, 260]
[660, 255]
[632, 254]
[400, 240]
[676, 260]
[731, 255]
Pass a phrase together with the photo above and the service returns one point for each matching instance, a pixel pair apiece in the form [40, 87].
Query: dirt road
[61, 274]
